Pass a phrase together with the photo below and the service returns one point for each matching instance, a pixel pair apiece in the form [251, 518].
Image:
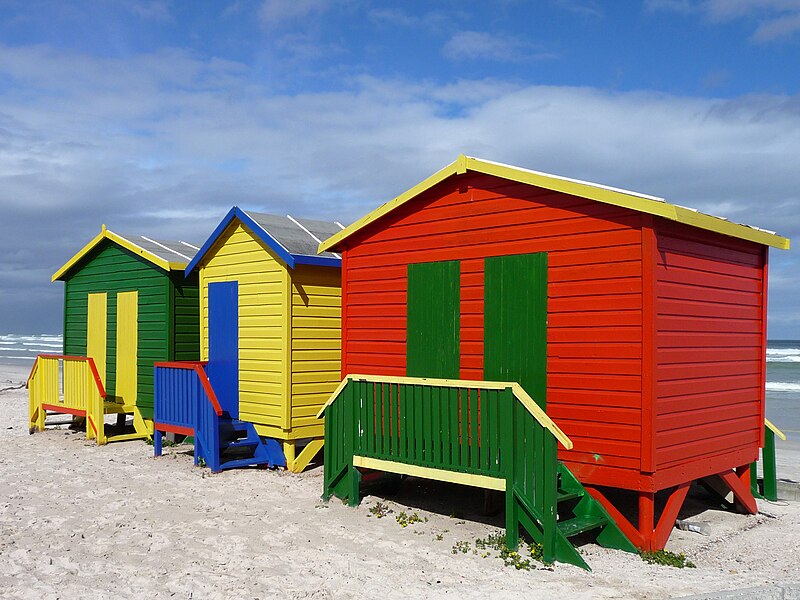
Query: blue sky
[155, 117]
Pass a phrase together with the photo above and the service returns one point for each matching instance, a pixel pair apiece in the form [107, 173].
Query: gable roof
[165, 254]
[593, 191]
[293, 240]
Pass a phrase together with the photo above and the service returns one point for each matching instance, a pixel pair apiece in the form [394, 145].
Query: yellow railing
[68, 385]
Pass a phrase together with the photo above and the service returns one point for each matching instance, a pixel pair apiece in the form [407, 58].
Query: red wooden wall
[710, 338]
[656, 339]
[595, 299]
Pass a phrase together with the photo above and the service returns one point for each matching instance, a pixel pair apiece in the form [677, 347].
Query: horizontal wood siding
[709, 350]
[316, 341]
[594, 297]
[113, 269]
[186, 317]
[240, 256]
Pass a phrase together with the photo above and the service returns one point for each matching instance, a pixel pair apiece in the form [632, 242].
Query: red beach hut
[655, 322]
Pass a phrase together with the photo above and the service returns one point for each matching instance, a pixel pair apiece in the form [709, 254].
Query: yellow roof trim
[608, 195]
[106, 234]
[774, 429]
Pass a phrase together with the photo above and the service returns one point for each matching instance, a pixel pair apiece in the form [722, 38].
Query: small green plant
[201, 462]
[522, 559]
[148, 441]
[439, 537]
[379, 510]
[667, 558]
[405, 520]
[461, 546]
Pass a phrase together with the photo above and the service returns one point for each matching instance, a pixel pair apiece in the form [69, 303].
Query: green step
[564, 495]
[575, 525]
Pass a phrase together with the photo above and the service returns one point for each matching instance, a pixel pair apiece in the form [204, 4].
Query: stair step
[243, 443]
[564, 495]
[574, 526]
[242, 462]
[125, 437]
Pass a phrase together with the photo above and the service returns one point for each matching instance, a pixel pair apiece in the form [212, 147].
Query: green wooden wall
[112, 269]
[186, 316]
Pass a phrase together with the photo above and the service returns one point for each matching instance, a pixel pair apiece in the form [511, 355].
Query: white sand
[77, 520]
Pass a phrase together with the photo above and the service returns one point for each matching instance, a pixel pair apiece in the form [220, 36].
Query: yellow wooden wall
[316, 344]
[289, 360]
[240, 256]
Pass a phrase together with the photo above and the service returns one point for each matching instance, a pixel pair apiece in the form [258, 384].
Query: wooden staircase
[485, 434]
[185, 403]
[239, 446]
[579, 513]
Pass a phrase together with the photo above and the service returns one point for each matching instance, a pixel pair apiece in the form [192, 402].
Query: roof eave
[622, 198]
[256, 229]
[106, 234]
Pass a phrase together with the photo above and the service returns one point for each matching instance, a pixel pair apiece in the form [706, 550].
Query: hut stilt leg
[669, 515]
[738, 481]
[647, 518]
[289, 453]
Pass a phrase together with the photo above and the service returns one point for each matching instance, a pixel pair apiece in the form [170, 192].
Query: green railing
[481, 433]
[769, 482]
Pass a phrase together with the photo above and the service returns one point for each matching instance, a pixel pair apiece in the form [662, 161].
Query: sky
[155, 117]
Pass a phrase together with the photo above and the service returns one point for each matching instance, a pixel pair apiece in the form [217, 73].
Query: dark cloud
[163, 144]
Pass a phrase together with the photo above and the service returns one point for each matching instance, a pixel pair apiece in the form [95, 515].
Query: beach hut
[270, 332]
[638, 325]
[127, 304]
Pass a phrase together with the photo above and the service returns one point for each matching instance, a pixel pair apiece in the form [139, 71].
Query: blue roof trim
[272, 243]
[319, 261]
[210, 241]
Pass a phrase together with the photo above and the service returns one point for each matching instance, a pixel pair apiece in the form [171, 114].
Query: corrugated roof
[169, 250]
[166, 254]
[615, 196]
[296, 235]
[293, 240]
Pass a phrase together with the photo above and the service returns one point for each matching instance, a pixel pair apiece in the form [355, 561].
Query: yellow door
[127, 346]
[96, 333]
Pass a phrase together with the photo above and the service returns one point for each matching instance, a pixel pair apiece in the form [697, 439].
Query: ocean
[783, 373]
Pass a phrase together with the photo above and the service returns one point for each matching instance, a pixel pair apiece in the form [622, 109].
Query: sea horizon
[782, 385]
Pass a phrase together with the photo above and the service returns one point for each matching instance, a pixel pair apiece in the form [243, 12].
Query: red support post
[668, 516]
[647, 518]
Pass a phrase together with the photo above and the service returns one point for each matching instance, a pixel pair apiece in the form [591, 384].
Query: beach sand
[81, 521]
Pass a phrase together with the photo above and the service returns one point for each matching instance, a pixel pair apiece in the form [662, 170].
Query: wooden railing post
[769, 469]
[508, 437]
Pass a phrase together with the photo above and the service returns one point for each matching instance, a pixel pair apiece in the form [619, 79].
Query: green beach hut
[127, 305]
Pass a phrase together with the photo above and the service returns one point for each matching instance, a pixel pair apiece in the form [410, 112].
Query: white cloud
[275, 13]
[775, 29]
[584, 8]
[478, 45]
[395, 17]
[155, 10]
[164, 144]
[777, 19]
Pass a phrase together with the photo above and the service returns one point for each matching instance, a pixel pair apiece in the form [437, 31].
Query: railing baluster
[428, 424]
[473, 412]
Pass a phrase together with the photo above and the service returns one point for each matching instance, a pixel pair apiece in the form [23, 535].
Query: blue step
[245, 443]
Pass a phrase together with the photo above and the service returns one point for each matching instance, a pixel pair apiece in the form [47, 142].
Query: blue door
[223, 344]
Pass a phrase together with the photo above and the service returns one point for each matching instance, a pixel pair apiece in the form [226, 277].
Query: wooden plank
[480, 481]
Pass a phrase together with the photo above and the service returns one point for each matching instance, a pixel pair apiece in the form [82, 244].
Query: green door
[433, 320]
[515, 322]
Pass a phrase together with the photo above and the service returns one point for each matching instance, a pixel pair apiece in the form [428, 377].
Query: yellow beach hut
[270, 325]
